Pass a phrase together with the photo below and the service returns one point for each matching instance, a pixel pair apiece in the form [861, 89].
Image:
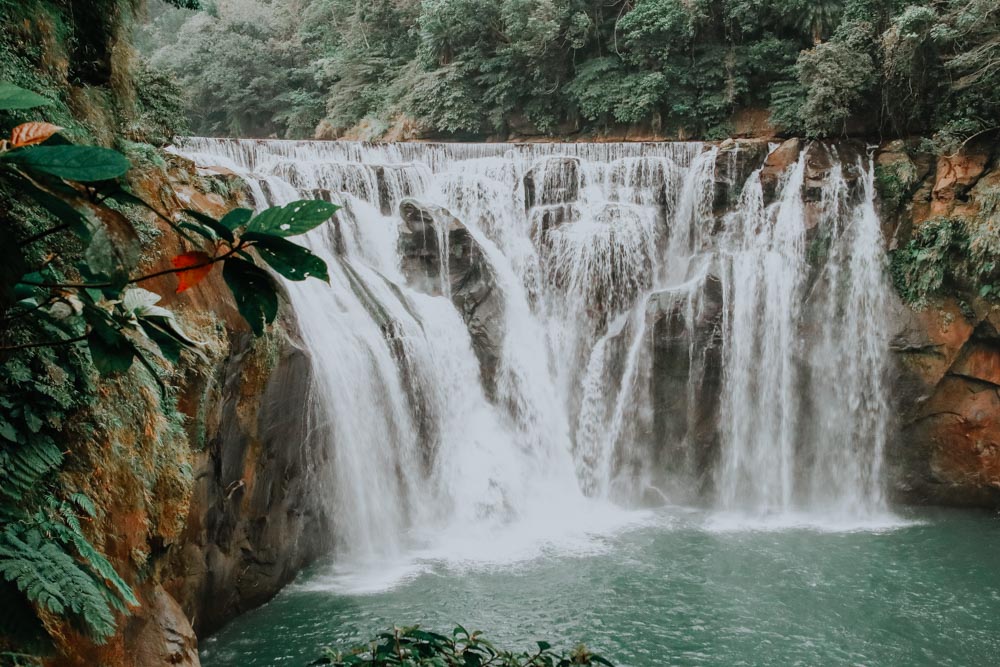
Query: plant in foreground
[413, 647]
[72, 301]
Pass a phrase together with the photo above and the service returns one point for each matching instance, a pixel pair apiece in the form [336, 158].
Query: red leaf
[200, 264]
[30, 134]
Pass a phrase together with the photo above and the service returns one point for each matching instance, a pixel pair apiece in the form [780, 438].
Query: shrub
[414, 647]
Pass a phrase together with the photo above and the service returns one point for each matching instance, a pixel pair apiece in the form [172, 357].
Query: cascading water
[646, 345]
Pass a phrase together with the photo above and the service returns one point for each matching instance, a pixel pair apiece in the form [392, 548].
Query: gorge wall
[202, 494]
[207, 507]
[947, 351]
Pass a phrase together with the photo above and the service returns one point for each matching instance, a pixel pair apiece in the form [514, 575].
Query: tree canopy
[469, 69]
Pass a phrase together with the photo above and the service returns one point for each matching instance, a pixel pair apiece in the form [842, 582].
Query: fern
[67, 530]
[66, 584]
[23, 467]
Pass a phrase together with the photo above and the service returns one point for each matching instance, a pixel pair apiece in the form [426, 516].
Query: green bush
[413, 647]
[949, 256]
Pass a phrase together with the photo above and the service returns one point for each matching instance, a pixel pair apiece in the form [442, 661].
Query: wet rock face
[687, 383]
[735, 162]
[555, 180]
[164, 636]
[466, 275]
[777, 162]
[255, 518]
[546, 218]
[946, 449]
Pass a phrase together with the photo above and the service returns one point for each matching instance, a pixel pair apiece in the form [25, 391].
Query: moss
[132, 459]
[142, 156]
[894, 183]
[955, 256]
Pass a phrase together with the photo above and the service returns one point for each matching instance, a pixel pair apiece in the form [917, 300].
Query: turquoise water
[674, 588]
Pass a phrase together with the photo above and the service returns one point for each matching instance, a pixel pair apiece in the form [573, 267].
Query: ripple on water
[670, 588]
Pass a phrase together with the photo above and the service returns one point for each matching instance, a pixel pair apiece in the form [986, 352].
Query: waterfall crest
[522, 329]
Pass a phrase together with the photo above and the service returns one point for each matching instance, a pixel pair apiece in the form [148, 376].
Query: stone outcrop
[255, 519]
[736, 161]
[163, 634]
[555, 180]
[686, 387]
[946, 449]
[462, 269]
[252, 521]
[214, 511]
[946, 445]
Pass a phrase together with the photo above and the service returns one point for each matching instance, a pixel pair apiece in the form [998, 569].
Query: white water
[613, 245]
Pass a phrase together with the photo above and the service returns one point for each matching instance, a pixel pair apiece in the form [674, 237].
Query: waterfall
[519, 330]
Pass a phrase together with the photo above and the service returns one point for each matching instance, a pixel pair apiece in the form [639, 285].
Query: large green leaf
[110, 349]
[85, 164]
[289, 259]
[255, 292]
[294, 219]
[236, 218]
[218, 228]
[15, 97]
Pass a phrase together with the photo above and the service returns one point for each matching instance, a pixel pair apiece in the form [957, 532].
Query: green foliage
[160, 106]
[836, 79]
[413, 647]
[71, 304]
[894, 183]
[13, 97]
[949, 255]
[467, 69]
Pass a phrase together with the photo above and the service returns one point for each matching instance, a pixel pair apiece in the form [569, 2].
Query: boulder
[954, 176]
[468, 278]
[780, 159]
[687, 388]
[545, 218]
[165, 637]
[946, 392]
[736, 160]
[554, 180]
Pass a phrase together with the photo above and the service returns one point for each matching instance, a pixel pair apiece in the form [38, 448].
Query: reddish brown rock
[164, 635]
[776, 163]
[947, 391]
[954, 176]
[210, 517]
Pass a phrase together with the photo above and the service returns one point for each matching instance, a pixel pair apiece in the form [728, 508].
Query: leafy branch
[82, 303]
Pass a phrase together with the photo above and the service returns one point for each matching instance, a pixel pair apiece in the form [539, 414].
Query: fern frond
[22, 468]
[53, 579]
[70, 535]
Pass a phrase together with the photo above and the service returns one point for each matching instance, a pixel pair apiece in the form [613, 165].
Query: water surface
[672, 587]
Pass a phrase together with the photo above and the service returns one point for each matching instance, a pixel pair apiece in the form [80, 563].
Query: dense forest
[687, 68]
